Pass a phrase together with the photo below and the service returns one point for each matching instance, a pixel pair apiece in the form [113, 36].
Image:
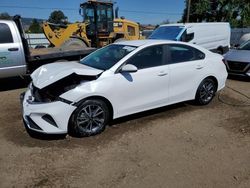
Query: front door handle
[162, 73]
[199, 67]
[13, 49]
[3, 58]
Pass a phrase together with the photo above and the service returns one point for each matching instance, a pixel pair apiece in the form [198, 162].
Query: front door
[148, 87]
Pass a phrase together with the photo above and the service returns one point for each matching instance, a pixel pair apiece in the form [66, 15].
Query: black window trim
[164, 59]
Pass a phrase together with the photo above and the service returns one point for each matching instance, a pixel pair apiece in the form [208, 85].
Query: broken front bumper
[48, 118]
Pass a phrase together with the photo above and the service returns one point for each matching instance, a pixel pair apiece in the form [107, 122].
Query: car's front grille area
[237, 66]
[39, 95]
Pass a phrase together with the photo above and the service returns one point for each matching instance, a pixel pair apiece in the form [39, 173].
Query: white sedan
[81, 98]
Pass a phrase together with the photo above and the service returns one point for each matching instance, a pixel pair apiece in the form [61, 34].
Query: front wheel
[90, 118]
[205, 92]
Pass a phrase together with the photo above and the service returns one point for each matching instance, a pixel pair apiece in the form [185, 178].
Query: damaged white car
[118, 80]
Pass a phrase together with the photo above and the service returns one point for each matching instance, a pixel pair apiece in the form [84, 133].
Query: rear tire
[119, 40]
[220, 51]
[90, 118]
[205, 92]
[74, 43]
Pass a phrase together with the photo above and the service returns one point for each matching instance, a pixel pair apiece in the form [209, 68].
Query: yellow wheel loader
[99, 28]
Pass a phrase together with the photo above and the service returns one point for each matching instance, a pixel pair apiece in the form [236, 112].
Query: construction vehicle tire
[74, 43]
[119, 40]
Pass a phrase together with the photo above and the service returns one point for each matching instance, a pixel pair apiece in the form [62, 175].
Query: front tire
[90, 118]
[205, 92]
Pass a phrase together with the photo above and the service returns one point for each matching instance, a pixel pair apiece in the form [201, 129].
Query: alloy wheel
[90, 118]
[207, 91]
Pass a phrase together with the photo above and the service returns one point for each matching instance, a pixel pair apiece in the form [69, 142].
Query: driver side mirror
[129, 68]
[236, 46]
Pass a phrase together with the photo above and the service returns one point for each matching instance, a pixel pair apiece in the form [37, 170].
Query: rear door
[12, 61]
[186, 66]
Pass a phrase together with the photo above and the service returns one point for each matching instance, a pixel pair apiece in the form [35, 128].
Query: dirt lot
[177, 146]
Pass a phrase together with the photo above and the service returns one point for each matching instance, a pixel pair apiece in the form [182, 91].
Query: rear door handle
[13, 49]
[162, 73]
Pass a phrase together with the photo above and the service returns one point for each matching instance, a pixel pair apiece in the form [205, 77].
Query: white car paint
[128, 93]
[48, 74]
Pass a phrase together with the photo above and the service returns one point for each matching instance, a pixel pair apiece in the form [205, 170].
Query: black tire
[119, 40]
[90, 118]
[74, 43]
[205, 92]
[220, 51]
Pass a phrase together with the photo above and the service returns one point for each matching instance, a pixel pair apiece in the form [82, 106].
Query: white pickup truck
[17, 59]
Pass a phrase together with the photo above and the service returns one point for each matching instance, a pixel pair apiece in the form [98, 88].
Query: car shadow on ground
[148, 113]
[14, 83]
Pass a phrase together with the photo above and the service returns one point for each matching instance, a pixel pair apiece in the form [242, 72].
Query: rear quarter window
[5, 34]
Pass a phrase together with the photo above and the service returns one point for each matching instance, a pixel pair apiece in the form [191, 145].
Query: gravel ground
[176, 146]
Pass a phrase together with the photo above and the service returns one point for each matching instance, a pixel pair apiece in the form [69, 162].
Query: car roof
[138, 43]
[193, 24]
[7, 21]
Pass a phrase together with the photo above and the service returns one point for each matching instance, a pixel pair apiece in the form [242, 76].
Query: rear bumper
[46, 118]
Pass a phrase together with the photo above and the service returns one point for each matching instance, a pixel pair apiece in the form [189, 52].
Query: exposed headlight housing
[52, 92]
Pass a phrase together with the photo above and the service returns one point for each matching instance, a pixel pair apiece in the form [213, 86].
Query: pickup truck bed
[57, 53]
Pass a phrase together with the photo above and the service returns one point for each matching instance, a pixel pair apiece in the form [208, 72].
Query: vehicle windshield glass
[245, 46]
[107, 57]
[88, 14]
[166, 33]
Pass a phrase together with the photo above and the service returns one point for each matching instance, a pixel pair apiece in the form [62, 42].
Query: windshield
[166, 32]
[107, 57]
[245, 46]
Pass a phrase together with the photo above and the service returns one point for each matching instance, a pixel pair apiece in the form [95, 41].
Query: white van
[214, 36]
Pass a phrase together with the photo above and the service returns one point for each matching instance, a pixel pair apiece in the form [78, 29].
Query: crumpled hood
[50, 73]
[238, 55]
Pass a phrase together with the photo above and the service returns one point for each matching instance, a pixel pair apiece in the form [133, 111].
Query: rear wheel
[220, 51]
[90, 118]
[206, 91]
[74, 43]
[119, 40]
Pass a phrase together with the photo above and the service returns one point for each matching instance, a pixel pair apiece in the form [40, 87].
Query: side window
[131, 31]
[187, 37]
[5, 34]
[149, 57]
[179, 53]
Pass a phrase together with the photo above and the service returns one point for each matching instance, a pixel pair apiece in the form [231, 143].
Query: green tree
[35, 27]
[5, 16]
[237, 12]
[57, 17]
